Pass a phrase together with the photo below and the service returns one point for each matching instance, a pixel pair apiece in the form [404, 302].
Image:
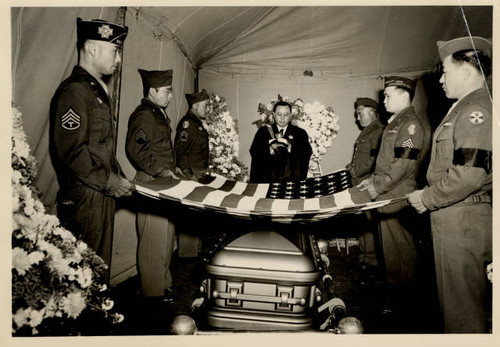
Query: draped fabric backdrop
[247, 54]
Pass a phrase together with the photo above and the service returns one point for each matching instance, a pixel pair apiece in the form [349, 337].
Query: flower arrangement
[320, 123]
[223, 141]
[55, 278]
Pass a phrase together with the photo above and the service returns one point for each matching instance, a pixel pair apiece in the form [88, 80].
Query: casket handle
[282, 299]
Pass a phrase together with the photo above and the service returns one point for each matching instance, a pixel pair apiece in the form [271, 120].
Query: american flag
[308, 200]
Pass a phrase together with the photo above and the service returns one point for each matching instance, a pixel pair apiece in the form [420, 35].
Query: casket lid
[263, 250]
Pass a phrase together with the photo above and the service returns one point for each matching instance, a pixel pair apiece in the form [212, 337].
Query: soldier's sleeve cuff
[427, 199]
[113, 184]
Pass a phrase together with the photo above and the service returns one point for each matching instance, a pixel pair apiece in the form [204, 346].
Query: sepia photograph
[257, 172]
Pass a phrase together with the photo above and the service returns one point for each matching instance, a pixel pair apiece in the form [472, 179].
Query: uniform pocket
[363, 147]
[100, 127]
[475, 220]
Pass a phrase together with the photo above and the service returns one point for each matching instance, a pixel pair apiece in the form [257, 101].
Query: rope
[475, 51]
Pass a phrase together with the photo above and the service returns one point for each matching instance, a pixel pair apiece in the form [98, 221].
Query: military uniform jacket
[292, 165]
[191, 145]
[82, 141]
[366, 151]
[149, 141]
[400, 155]
[461, 153]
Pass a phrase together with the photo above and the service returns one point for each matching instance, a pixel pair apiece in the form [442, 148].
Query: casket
[261, 281]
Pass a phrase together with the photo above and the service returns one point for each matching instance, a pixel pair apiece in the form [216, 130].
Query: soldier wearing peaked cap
[361, 167]
[82, 139]
[401, 152]
[191, 140]
[460, 183]
[150, 150]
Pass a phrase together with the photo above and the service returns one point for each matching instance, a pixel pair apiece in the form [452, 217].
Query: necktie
[281, 132]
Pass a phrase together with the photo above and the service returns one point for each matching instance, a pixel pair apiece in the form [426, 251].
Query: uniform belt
[478, 198]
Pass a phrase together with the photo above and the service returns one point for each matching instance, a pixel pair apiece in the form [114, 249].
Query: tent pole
[116, 79]
[196, 80]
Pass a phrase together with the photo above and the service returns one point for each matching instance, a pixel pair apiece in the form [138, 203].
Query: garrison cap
[156, 78]
[101, 30]
[367, 102]
[398, 81]
[197, 97]
[464, 43]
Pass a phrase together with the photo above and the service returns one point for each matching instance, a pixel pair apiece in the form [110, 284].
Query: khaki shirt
[461, 153]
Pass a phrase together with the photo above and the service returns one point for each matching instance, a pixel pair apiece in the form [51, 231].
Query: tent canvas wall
[245, 54]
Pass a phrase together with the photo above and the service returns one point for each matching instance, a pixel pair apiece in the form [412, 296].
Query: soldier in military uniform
[368, 142]
[280, 151]
[396, 169]
[191, 139]
[150, 150]
[82, 139]
[460, 183]
[361, 167]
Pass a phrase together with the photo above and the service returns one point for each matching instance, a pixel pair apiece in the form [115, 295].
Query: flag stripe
[327, 196]
[231, 201]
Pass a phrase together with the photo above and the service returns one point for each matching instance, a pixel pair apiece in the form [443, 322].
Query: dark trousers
[462, 238]
[90, 216]
[398, 223]
[367, 244]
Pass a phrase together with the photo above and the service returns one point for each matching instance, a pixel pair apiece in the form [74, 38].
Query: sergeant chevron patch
[70, 120]
[141, 136]
[408, 143]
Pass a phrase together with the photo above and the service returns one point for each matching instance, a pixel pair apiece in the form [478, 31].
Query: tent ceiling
[331, 40]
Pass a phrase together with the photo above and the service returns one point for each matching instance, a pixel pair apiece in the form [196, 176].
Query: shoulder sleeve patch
[70, 120]
[184, 135]
[412, 128]
[476, 117]
[185, 125]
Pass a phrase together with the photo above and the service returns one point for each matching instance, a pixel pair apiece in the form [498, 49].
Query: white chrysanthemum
[107, 304]
[118, 318]
[85, 279]
[81, 246]
[73, 304]
[21, 148]
[15, 202]
[35, 317]
[35, 257]
[29, 207]
[20, 261]
[51, 308]
[16, 177]
[20, 317]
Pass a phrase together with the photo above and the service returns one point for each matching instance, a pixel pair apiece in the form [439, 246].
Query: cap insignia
[105, 31]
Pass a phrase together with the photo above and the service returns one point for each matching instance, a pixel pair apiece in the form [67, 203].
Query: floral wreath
[320, 123]
[55, 278]
[223, 141]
